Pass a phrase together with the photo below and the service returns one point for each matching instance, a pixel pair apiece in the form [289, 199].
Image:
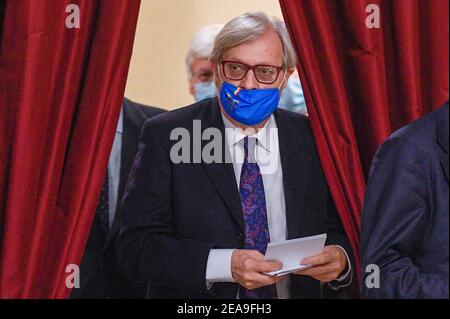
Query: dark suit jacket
[101, 279]
[405, 218]
[174, 214]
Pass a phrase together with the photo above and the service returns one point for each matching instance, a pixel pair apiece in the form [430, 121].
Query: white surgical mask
[292, 98]
[205, 90]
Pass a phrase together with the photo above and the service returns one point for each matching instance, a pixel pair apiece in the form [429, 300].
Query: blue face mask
[292, 98]
[205, 90]
[249, 107]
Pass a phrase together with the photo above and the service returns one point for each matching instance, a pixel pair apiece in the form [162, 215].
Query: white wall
[157, 74]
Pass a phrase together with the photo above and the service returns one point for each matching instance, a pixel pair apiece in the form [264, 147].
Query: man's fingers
[254, 254]
[257, 280]
[249, 268]
[328, 254]
[323, 273]
[318, 270]
[321, 259]
[268, 266]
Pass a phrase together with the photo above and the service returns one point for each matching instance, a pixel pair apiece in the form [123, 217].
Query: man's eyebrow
[234, 59]
[205, 71]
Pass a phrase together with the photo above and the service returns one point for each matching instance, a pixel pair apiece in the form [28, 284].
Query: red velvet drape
[363, 83]
[61, 91]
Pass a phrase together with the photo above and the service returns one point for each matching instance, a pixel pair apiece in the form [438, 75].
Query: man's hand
[328, 265]
[248, 268]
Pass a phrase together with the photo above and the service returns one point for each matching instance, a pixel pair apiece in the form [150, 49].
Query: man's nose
[249, 81]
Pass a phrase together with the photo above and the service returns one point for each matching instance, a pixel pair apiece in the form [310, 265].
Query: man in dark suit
[405, 218]
[99, 279]
[193, 227]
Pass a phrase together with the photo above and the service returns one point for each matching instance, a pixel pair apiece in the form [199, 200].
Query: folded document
[291, 252]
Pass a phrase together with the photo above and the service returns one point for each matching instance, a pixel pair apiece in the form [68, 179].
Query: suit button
[240, 236]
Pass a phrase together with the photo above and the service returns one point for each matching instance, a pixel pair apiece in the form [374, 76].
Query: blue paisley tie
[253, 201]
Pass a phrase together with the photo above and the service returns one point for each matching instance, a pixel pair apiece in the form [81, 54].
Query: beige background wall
[157, 74]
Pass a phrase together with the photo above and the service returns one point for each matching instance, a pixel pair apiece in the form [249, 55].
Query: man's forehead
[259, 61]
[266, 49]
[201, 63]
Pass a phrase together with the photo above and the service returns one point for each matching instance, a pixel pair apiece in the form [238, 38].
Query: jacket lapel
[442, 128]
[222, 174]
[295, 161]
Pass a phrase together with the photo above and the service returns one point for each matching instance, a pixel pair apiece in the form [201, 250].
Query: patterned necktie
[103, 207]
[253, 201]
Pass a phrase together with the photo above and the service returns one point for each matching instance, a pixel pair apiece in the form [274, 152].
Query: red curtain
[61, 91]
[363, 83]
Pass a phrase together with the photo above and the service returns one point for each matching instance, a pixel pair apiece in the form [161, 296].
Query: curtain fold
[61, 91]
[361, 83]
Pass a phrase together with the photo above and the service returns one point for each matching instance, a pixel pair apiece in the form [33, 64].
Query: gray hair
[249, 27]
[202, 44]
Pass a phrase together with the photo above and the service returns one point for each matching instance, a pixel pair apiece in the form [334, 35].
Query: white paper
[291, 252]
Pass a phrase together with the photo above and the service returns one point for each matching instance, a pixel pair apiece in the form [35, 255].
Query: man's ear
[288, 74]
[214, 68]
[191, 86]
[217, 79]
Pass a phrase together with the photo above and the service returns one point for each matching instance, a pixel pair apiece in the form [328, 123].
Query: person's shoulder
[293, 117]
[415, 140]
[420, 132]
[295, 122]
[151, 111]
[181, 117]
[141, 109]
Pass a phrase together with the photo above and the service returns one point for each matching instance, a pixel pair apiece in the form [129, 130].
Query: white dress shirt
[267, 155]
[114, 169]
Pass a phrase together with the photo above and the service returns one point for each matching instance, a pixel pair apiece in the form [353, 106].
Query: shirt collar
[234, 134]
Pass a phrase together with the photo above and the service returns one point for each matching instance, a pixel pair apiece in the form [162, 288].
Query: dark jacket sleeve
[394, 219]
[336, 232]
[147, 249]
[337, 236]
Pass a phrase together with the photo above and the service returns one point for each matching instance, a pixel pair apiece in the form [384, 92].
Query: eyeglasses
[236, 71]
